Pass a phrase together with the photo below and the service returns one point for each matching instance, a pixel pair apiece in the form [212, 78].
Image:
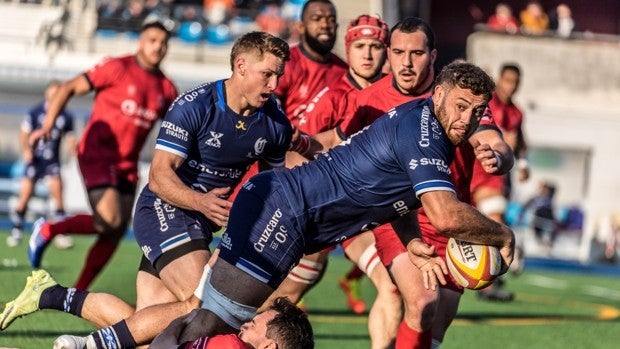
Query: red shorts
[389, 246]
[102, 173]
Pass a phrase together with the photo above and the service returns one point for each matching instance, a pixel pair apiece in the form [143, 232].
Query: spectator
[503, 20]
[543, 221]
[270, 20]
[534, 20]
[561, 21]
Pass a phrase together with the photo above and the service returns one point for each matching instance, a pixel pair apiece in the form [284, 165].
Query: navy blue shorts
[263, 237]
[39, 169]
[160, 227]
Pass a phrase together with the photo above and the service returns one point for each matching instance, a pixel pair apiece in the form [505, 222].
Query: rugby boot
[27, 301]
[37, 243]
[351, 289]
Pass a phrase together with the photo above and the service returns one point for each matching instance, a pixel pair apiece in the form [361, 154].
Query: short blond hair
[261, 43]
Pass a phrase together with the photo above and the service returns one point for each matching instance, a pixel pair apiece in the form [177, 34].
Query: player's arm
[492, 151]
[77, 86]
[457, 219]
[164, 182]
[25, 146]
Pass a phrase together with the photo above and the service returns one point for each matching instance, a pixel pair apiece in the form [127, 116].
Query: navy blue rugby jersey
[373, 177]
[219, 145]
[48, 150]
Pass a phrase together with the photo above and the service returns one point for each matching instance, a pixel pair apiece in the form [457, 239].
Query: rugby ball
[471, 265]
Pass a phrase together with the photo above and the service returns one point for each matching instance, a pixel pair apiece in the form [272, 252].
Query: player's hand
[489, 159]
[507, 253]
[432, 267]
[214, 207]
[35, 136]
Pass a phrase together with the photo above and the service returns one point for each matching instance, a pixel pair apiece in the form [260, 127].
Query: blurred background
[569, 92]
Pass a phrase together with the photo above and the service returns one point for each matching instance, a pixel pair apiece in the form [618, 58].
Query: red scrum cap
[366, 26]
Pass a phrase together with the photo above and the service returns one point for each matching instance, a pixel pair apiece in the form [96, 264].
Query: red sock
[97, 258]
[355, 273]
[408, 338]
[81, 224]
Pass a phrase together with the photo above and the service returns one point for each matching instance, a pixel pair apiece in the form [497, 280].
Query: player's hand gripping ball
[473, 266]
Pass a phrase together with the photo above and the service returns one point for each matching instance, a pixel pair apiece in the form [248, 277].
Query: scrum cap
[366, 26]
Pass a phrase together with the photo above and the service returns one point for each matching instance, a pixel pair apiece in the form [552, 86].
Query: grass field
[553, 310]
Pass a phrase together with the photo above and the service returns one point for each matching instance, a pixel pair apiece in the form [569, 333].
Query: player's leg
[386, 311]
[18, 214]
[54, 183]
[350, 284]
[420, 304]
[111, 216]
[42, 292]
[446, 311]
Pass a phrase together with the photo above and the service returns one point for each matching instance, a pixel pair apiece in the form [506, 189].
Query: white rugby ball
[473, 266]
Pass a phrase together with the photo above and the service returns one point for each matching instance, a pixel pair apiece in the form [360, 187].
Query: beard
[442, 116]
[320, 47]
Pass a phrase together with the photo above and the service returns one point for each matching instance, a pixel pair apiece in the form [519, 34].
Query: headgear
[366, 26]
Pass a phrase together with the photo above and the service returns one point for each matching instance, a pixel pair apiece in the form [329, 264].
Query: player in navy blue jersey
[42, 161]
[382, 174]
[209, 138]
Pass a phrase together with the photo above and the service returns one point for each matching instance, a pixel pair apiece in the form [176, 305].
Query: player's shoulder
[199, 98]
[274, 112]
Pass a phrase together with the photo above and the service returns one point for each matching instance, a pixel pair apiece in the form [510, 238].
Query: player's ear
[271, 345]
[240, 65]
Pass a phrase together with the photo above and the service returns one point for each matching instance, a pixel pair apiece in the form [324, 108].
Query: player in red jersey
[365, 44]
[411, 55]
[132, 93]
[281, 325]
[490, 193]
[312, 65]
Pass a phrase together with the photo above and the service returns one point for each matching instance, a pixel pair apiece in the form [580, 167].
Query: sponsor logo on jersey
[175, 131]
[232, 173]
[424, 133]
[275, 229]
[164, 212]
[215, 141]
[440, 163]
[226, 241]
[401, 208]
[144, 117]
[146, 250]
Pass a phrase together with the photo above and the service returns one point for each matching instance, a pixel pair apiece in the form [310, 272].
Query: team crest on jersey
[214, 141]
[259, 146]
[240, 125]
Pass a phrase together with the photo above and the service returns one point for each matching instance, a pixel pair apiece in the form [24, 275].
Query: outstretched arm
[462, 221]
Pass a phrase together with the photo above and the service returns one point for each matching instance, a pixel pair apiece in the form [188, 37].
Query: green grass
[552, 310]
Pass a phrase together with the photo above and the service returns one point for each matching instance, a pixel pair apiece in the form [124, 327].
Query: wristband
[301, 144]
[499, 157]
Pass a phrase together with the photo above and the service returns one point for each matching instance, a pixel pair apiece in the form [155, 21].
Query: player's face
[254, 332]
[458, 111]
[152, 47]
[411, 61]
[507, 84]
[260, 77]
[366, 57]
[319, 27]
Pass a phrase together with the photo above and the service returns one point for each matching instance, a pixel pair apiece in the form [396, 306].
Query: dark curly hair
[467, 76]
[290, 328]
